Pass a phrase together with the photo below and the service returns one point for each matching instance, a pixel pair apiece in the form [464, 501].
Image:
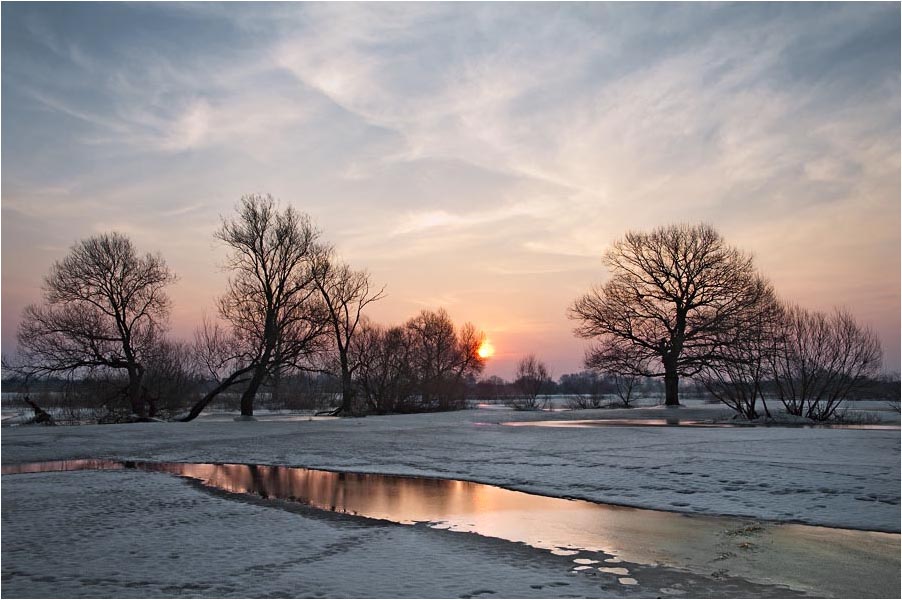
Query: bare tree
[345, 294]
[171, 378]
[820, 359]
[531, 377]
[442, 358]
[738, 374]
[625, 365]
[469, 363]
[272, 306]
[672, 292]
[104, 308]
[423, 365]
[384, 375]
[625, 385]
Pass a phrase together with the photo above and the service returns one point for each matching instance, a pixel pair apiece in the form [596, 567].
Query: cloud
[422, 221]
[512, 139]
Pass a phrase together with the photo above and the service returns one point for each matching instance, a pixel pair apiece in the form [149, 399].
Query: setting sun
[486, 349]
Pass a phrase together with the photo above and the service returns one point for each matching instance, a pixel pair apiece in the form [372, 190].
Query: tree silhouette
[344, 293]
[672, 293]
[104, 308]
[271, 304]
[819, 359]
[531, 376]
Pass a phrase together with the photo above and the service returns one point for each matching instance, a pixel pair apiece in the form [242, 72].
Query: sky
[476, 157]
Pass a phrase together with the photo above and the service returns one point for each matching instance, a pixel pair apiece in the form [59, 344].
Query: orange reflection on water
[377, 496]
[458, 505]
[64, 465]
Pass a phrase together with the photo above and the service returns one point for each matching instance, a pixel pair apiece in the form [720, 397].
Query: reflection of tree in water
[378, 496]
[382, 496]
[258, 485]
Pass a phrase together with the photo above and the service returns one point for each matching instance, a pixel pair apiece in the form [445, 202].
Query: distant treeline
[321, 391]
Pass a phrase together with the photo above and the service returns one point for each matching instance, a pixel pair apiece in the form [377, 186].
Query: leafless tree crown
[105, 307]
[420, 366]
[818, 359]
[671, 294]
[739, 374]
[345, 293]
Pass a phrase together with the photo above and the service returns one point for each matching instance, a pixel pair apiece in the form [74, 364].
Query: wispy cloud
[491, 140]
[417, 222]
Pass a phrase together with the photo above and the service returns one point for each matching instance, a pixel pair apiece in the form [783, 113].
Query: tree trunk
[198, 408]
[347, 389]
[134, 391]
[247, 398]
[671, 385]
[275, 397]
[40, 415]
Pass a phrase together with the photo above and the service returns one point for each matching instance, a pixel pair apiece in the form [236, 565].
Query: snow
[141, 534]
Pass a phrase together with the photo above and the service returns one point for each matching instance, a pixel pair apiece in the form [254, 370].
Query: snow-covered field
[139, 534]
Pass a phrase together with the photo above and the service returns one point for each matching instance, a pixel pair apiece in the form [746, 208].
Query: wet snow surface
[148, 534]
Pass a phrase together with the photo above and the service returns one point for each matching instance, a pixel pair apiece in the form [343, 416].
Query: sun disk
[486, 349]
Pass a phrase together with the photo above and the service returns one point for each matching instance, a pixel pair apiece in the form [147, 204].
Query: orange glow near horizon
[486, 349]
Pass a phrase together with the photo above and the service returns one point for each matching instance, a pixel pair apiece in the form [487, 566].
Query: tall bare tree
[272, 303]
[345, 293]
[672, 292]
[105, 307]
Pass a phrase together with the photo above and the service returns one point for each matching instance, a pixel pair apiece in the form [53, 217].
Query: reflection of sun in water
[486, 349]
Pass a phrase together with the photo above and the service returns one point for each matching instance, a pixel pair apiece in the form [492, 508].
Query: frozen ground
[138, 534]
